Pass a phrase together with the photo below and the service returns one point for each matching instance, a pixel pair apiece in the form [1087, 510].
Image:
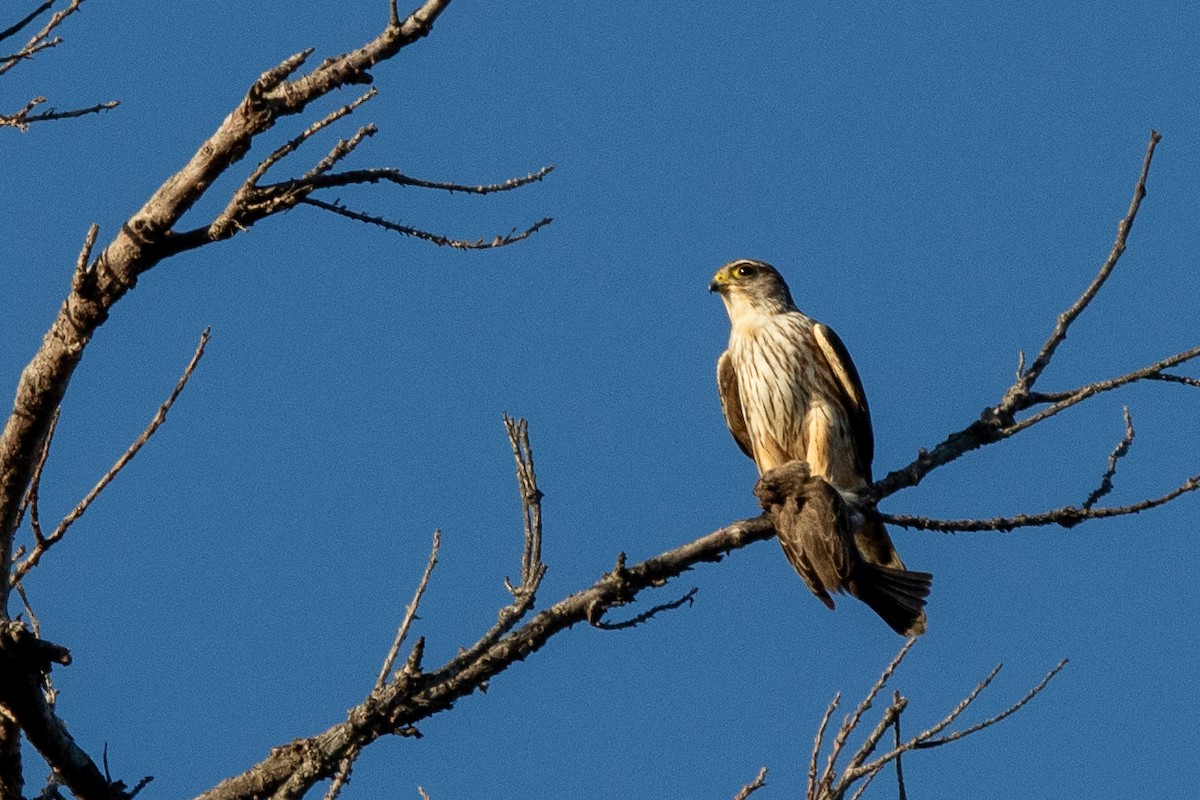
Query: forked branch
[1001, 421]
[834, 784]
[43, 543]
[41, 41]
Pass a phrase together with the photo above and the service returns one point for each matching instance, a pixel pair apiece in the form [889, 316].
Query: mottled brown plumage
[790, 392]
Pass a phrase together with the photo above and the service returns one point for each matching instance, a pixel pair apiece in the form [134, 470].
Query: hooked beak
[719, 283]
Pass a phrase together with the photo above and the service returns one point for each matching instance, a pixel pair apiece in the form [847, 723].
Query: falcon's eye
[744, 270]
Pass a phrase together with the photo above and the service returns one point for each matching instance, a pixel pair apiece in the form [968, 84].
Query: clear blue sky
[936, 181]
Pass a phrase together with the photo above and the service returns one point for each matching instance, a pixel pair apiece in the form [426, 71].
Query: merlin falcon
[794, 403]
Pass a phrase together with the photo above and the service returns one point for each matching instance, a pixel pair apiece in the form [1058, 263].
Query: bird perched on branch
[790, 392]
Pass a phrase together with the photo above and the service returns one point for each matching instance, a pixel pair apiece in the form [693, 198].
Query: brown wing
[853, 398]
[731, 403]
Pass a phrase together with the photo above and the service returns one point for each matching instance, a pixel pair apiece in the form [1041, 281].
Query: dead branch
[1017, 394]
[500, 240]
[649, 614]
[760, 780]
[20, 24]
[44, 543]
[999, 422]
[41, 40]
[860, 771]
[414, 695]
[1066, 516]
[24, 661]
[410, 612]
[143, 241]
[398, 178]
[850, 723]
[149, 236]
[815, 755]
[901, 791]
[1119, 452]
[22, 119]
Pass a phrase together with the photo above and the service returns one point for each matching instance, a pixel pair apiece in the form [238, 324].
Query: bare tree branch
[998, 422]
[400, 179]
[901, 791]
[1066, 516]
[818, 742]
[40, 40]
[1119, 452]
[290, 769]
[760, 780]
[500, 240]
[1017, 393]
[410, 612]
[649, 614]
[987, 723]
[42, 544]
[22, 119]
[851, 722]
[142, 242]
[24, 660]
[860, 771]
[1170, 378]
[20, 24]
[146, 238]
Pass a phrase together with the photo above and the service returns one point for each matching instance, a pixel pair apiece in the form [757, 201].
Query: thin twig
[863, 786]
[39, 40]
[33, 620]
[1077, 396]
[22, 119]
[15, 29]
[35, 484]
[987, 723]
[294, 144]
[1066, 517]
[343, 148]
[137, 789]
[760, 780]
[1030, 376]
[811, 792]
[85, 256]
[1119, 452]
[946, 721]
[160, 416]
[851, 722]
[410, 612]
[646, 616]
[388, 175]
[532, 568]
[343, 774]
[886, 721]
[901, 791]
[1165, 376]
[501, 240]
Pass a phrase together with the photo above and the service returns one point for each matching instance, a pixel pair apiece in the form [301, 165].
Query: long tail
[896, 595]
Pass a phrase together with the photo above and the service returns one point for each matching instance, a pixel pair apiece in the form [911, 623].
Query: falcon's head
[749, 286]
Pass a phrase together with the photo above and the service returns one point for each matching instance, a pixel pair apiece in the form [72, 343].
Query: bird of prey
[790, 392]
